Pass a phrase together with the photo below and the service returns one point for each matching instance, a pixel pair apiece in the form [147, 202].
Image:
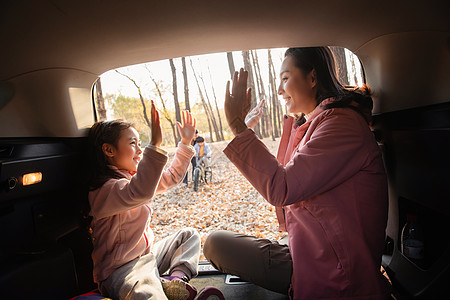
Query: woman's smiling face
[297, 88]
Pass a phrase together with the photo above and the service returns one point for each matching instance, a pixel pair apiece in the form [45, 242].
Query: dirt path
[228, 203]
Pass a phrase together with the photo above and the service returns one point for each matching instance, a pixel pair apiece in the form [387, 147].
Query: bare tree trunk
[251, 84]
[280, 114]
[210, 110]
[205, 106]
[262, 92]
[273, 98]
[353, 72]
[217, 108]
[231, 63]
[341, 64]
[277, 110]
[187, 104]
[101, 109]
[269, 108]
[147, 121]
[165, 112]
[175, 95]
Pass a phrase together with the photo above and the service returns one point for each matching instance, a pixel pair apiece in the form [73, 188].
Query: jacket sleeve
[334, 153]
[177, 169]
[119, 195]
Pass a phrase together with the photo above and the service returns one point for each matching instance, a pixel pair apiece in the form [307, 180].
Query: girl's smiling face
[127, 154]
[297, 88]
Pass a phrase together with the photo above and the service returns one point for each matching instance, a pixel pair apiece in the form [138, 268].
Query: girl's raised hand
[255, 115]
[187, 129]
[156, 127]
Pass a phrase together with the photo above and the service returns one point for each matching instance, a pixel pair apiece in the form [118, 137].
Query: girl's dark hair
[100, 133]
[321, 59]
[99, 172]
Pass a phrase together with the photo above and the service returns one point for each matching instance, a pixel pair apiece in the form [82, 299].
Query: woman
[327, 182]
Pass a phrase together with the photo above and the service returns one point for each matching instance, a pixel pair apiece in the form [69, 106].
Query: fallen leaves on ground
[229, 202]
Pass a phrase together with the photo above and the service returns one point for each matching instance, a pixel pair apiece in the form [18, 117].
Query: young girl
[127, 265]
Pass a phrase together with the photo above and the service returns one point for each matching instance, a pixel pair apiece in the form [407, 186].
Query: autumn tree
[187, 104]
[100, 101]
[128, 108]
[275, 104]
[341, 64]
[203, 102]
[205, 108]
[231, 63]
[207, 105]
[251, 84]
[217, 106]
[165, 112]
[353, 76]
[144, 108]
[261, 93]
[175, 95]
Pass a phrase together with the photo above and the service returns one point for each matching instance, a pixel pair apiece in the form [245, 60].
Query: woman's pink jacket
[331, 189]
[120, 211]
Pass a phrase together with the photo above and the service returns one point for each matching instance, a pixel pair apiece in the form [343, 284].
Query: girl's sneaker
[178, 289]
[209, 293]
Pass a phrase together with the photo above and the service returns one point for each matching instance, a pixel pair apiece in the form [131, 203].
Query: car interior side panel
[413, 128]
[45, 249]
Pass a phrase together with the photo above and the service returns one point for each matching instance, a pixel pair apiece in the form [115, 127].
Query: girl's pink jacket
[331, 189]
[120, 211]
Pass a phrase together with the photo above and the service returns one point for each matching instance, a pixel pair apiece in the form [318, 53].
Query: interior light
[32, 178]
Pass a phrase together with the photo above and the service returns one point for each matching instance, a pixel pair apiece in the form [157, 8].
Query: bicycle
[201, 173]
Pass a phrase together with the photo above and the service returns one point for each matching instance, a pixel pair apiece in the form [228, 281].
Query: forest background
[197, 84]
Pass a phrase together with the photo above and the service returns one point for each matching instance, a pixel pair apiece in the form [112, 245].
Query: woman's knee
[215, 243]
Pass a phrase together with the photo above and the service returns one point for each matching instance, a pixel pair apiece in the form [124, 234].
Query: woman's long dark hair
[100, 133]
[321, 59]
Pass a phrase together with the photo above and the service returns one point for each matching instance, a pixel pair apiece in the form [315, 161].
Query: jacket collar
[125, 173]
[287, 125]
[319, 108]
[289, 120]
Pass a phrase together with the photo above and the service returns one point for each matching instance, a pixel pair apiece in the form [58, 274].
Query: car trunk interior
[405, 53]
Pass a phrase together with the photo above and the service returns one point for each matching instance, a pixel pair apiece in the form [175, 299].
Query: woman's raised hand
[255, 115]
[237, 104]
[187, 128]
[156, 139]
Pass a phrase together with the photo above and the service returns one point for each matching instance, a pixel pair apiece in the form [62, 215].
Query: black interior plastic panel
[48, 274]
[416, 149]
[44, 249]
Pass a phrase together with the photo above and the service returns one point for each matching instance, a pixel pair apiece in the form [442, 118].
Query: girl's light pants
[140, 278]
